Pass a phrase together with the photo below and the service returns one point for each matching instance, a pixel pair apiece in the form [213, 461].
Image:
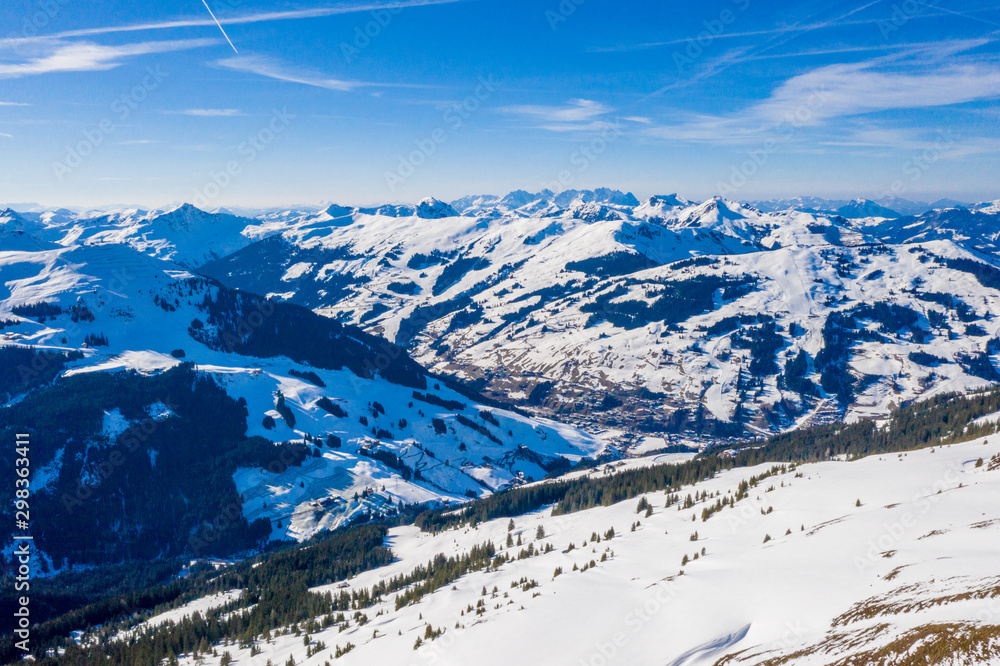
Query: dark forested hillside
[136, 494]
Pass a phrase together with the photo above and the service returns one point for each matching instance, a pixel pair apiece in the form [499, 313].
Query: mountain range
[623, 317]
[202, 385]
[571, 325]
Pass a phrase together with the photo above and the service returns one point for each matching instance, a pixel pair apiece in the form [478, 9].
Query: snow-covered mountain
[974, 227]
[713, 317]
[396, 385]
[184, 234]
[546, 201]
[896, 205]
[864, 208]
[888, 559]
[369, 429]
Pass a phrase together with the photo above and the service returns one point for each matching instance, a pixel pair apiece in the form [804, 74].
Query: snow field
[920, 549]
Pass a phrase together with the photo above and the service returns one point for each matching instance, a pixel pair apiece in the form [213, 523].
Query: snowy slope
[185, 234]
[152, 315]
[870, 561]
[555, 299]
[554, 309]
[864, 208]
[897, 205]
[977, 228]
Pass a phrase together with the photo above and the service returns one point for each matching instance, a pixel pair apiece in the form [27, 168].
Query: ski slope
[865, 561]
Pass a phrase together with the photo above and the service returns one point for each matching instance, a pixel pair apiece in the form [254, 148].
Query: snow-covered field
[197, 606]
[820, 563]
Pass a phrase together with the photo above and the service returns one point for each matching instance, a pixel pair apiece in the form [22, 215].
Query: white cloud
[824, 95]
[855, 89]
[4, 134]
[575, 115]
[263, 66]
[13, 104]
[137, 142]
[261, 17]
[59, 56]
[575, 110]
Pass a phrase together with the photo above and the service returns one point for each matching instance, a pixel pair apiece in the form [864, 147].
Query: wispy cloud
[942, 142]
[575, 115]
[778, 38]
[59, 56]
[856, 89]
[275, 69]
[4, 134]
[263, 66]
[575, 110]
[13, 104]
[260, 17]
[779, 31]
[210, 113]
[840, 50]
[915, 80]
[137, 142]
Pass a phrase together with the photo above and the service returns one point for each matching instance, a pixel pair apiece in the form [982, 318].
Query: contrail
[204, 2]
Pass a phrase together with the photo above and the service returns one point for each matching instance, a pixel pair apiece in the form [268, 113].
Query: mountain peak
[860, 208]
[434, 209]
[665, 200]
[185, 209]
[337, 211]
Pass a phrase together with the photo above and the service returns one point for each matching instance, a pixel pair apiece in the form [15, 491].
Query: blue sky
[364, 102]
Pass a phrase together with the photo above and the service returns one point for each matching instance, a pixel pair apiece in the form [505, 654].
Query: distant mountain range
[895, 206]
[858, 208]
